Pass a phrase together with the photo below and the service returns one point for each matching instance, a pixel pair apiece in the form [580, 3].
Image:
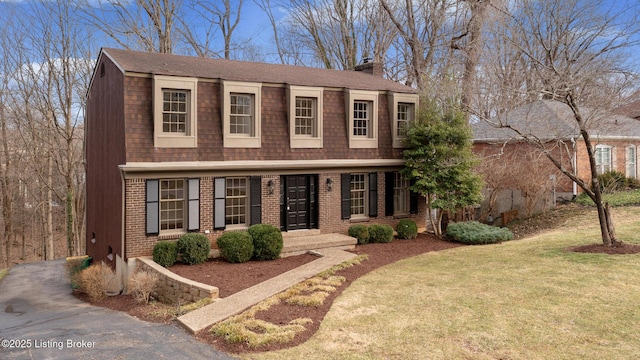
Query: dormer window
[362, 111]
[241, 114]
[402, 109]
[305, 116]
[174, 112]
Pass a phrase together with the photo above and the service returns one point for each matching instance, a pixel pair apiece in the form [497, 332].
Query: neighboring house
[178, 144]
[616, 139]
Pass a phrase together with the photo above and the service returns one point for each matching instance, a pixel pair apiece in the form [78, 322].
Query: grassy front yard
[526, 299]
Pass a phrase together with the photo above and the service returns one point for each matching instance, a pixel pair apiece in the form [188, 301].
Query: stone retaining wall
[174, 289]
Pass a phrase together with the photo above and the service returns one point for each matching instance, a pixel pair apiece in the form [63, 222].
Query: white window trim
[297, 141]
[365, 209]
[357, 142]
[185, 209]
[395, 99]
[611, 164]
[628, 161]
[247, 207]
[170, 140]
[237, 140]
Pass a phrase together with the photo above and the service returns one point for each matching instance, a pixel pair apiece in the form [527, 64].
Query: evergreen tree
[439, 162]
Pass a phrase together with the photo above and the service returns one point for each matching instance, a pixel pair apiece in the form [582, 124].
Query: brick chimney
[370, 67]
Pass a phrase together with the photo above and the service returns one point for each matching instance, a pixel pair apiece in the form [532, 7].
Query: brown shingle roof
[165, 64]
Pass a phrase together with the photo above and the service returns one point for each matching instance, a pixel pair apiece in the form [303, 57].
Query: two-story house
[178, 144]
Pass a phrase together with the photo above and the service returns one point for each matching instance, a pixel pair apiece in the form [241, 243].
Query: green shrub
[475, 233]
[236, 246]
[165, 253]
[194, 248]
[407, 229]
[267, 241]
[379, 233]
[360, 232]
[612, 181]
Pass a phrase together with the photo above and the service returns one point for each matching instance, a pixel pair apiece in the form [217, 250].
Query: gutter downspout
[124, 276]
[575, 166]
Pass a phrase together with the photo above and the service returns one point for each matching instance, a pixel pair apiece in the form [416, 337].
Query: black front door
[298, 205]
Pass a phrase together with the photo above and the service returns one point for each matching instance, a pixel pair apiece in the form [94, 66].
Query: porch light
[270, 187]
[329, 184]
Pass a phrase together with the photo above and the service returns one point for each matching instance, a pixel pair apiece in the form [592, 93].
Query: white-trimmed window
[172, 206]
[241, 114]
[362, 111]
[236, 201]
[174, 111]
[603, 158]
[402, 109]
[305, 116]
[358, 195]
[401, 195]
[632, 159]
[172, 202]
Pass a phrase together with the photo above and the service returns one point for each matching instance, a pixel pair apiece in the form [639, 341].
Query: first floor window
[172, 204]
[241, 114]
[401, 194]
[175, 111]
[603, 159]
[358, 194]
[631, 162]
[236, 203]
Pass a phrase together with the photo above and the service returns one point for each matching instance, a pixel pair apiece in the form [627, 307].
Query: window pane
[174, 111]
[358, 194]
[305, 116]
[241, 114]
[400, 195]
[171, 204]
[405, 117]
[236, 201]
[361, 118]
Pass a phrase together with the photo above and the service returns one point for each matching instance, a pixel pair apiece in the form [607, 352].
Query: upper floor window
[362, 111]
[402, 110]
[603, 159]
[241, 112]
[305, 116]
[632, 166]
[174, 111]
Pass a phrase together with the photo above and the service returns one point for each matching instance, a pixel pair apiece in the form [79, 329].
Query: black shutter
[193, 216]
[255, 189]
[414, 198]
[345, 195]
[220, 193]
[389, 179]
[153, 207]
[373, 194]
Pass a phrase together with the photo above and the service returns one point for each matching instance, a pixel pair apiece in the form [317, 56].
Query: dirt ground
[231, 278]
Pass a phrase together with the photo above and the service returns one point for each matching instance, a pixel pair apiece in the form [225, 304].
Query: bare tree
[222, 14]
[569, 50]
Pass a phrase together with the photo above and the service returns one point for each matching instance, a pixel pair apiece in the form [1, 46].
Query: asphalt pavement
[41, 319]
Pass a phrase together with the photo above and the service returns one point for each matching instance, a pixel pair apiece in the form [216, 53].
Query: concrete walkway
[238, 302]
[39, 314]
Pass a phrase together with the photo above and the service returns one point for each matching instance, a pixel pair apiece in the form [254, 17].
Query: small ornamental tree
[439, 162]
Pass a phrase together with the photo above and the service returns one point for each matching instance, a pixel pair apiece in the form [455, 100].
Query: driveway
[41, 319]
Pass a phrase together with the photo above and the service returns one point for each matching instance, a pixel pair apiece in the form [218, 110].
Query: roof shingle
[176, 65]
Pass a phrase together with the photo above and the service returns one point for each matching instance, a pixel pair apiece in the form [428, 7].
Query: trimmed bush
[360, 232]
[267, 241]
[165, 253]
[194, 248]
[407, 229]
[475, 233]
[236, 246]
[379, 233]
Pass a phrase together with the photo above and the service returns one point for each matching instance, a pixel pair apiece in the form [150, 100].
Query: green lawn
[526, 299]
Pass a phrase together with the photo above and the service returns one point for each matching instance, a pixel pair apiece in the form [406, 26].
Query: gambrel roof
[550, 119]
[175, 65]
